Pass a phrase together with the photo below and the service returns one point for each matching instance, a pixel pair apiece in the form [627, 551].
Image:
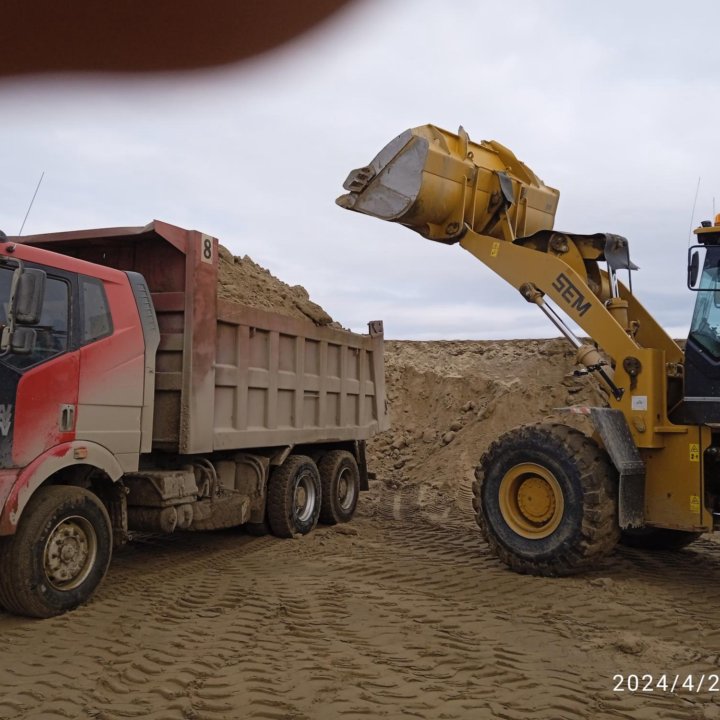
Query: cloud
[613, 104]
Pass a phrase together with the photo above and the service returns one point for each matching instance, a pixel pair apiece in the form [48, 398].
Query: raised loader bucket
[437, 183]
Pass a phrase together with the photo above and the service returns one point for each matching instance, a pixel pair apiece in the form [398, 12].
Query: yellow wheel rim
[531, 501]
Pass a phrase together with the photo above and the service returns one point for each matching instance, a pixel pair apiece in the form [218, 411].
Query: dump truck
[132, 398]
[554, 498]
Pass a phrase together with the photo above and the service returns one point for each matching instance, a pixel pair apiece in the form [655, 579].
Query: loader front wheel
[658, 538]
[59, 554]
[545, 498]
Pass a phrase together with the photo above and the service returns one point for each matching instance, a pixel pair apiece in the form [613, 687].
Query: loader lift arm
[452, 190]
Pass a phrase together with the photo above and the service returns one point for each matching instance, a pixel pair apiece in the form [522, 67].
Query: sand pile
[450, 399]
[242, 280]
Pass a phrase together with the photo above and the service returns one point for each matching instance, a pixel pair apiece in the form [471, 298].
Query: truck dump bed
[229, 376]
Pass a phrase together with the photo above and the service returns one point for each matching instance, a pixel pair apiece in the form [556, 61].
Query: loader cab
[701, 403]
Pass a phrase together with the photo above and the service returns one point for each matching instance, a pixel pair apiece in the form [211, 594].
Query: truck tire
[59, 554]
[658, 538]
[340, 481]
[545, 498]
[293, 497]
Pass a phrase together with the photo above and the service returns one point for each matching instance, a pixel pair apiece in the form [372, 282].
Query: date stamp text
[667, 683]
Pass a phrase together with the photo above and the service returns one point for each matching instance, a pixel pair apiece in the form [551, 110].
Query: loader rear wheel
[545, 498]
[59, 554]
[658, 538]
[340, 480]
[293, 497]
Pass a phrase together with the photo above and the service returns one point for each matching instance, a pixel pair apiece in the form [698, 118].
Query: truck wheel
[658, 538]
[293, 498]
[340, 481]
[59, 554]
[546, 500]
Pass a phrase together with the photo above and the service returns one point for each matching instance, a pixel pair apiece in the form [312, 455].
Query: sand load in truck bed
[242, 280]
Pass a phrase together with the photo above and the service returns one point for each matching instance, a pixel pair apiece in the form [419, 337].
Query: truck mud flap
[613, 429]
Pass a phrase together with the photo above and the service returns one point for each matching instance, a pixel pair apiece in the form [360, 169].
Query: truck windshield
[52, 330]
[705, 328]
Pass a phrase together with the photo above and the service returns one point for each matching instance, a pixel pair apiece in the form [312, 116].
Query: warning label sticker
[694, 452]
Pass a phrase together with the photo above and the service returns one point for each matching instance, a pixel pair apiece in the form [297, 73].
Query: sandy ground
[402, 613]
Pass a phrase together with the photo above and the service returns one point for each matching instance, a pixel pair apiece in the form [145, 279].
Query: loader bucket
[438, 183]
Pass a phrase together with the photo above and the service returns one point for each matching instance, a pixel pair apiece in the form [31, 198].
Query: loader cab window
[52, 330]
[705, 327]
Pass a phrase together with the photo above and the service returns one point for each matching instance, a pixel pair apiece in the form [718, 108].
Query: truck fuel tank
[436, 183]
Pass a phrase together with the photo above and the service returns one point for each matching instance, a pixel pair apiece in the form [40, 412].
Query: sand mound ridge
[450, 399]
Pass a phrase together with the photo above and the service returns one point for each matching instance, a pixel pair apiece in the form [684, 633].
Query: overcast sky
[616, 104]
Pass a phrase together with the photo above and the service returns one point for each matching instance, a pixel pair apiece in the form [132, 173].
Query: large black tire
[545, 498]
[293, 498]
[59, 554]
[340, 481]
[658, 538]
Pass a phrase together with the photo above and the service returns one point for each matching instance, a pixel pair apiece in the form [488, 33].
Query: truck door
[40, 389]
[112, 367]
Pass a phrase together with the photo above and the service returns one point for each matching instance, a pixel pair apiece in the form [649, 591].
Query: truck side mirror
[23, 340]
[696, 259]
[29, 295]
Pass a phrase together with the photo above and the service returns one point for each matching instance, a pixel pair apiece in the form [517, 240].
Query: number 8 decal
[206, 248]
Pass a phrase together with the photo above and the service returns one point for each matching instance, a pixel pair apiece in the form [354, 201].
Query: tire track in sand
[404, 612]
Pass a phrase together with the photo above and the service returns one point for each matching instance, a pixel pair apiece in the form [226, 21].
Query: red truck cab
[77, 395]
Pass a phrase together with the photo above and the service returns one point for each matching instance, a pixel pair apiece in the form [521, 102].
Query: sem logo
[571, 294]
[5, 419]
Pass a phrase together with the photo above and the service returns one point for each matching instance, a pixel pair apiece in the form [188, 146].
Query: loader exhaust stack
[438, 183]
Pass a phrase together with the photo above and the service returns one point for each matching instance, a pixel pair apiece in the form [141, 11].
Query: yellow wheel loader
[549, 499]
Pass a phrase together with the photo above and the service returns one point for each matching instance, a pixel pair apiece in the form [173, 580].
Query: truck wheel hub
[70, 553]
[304, 500]
[531, 501]
[345, 490]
